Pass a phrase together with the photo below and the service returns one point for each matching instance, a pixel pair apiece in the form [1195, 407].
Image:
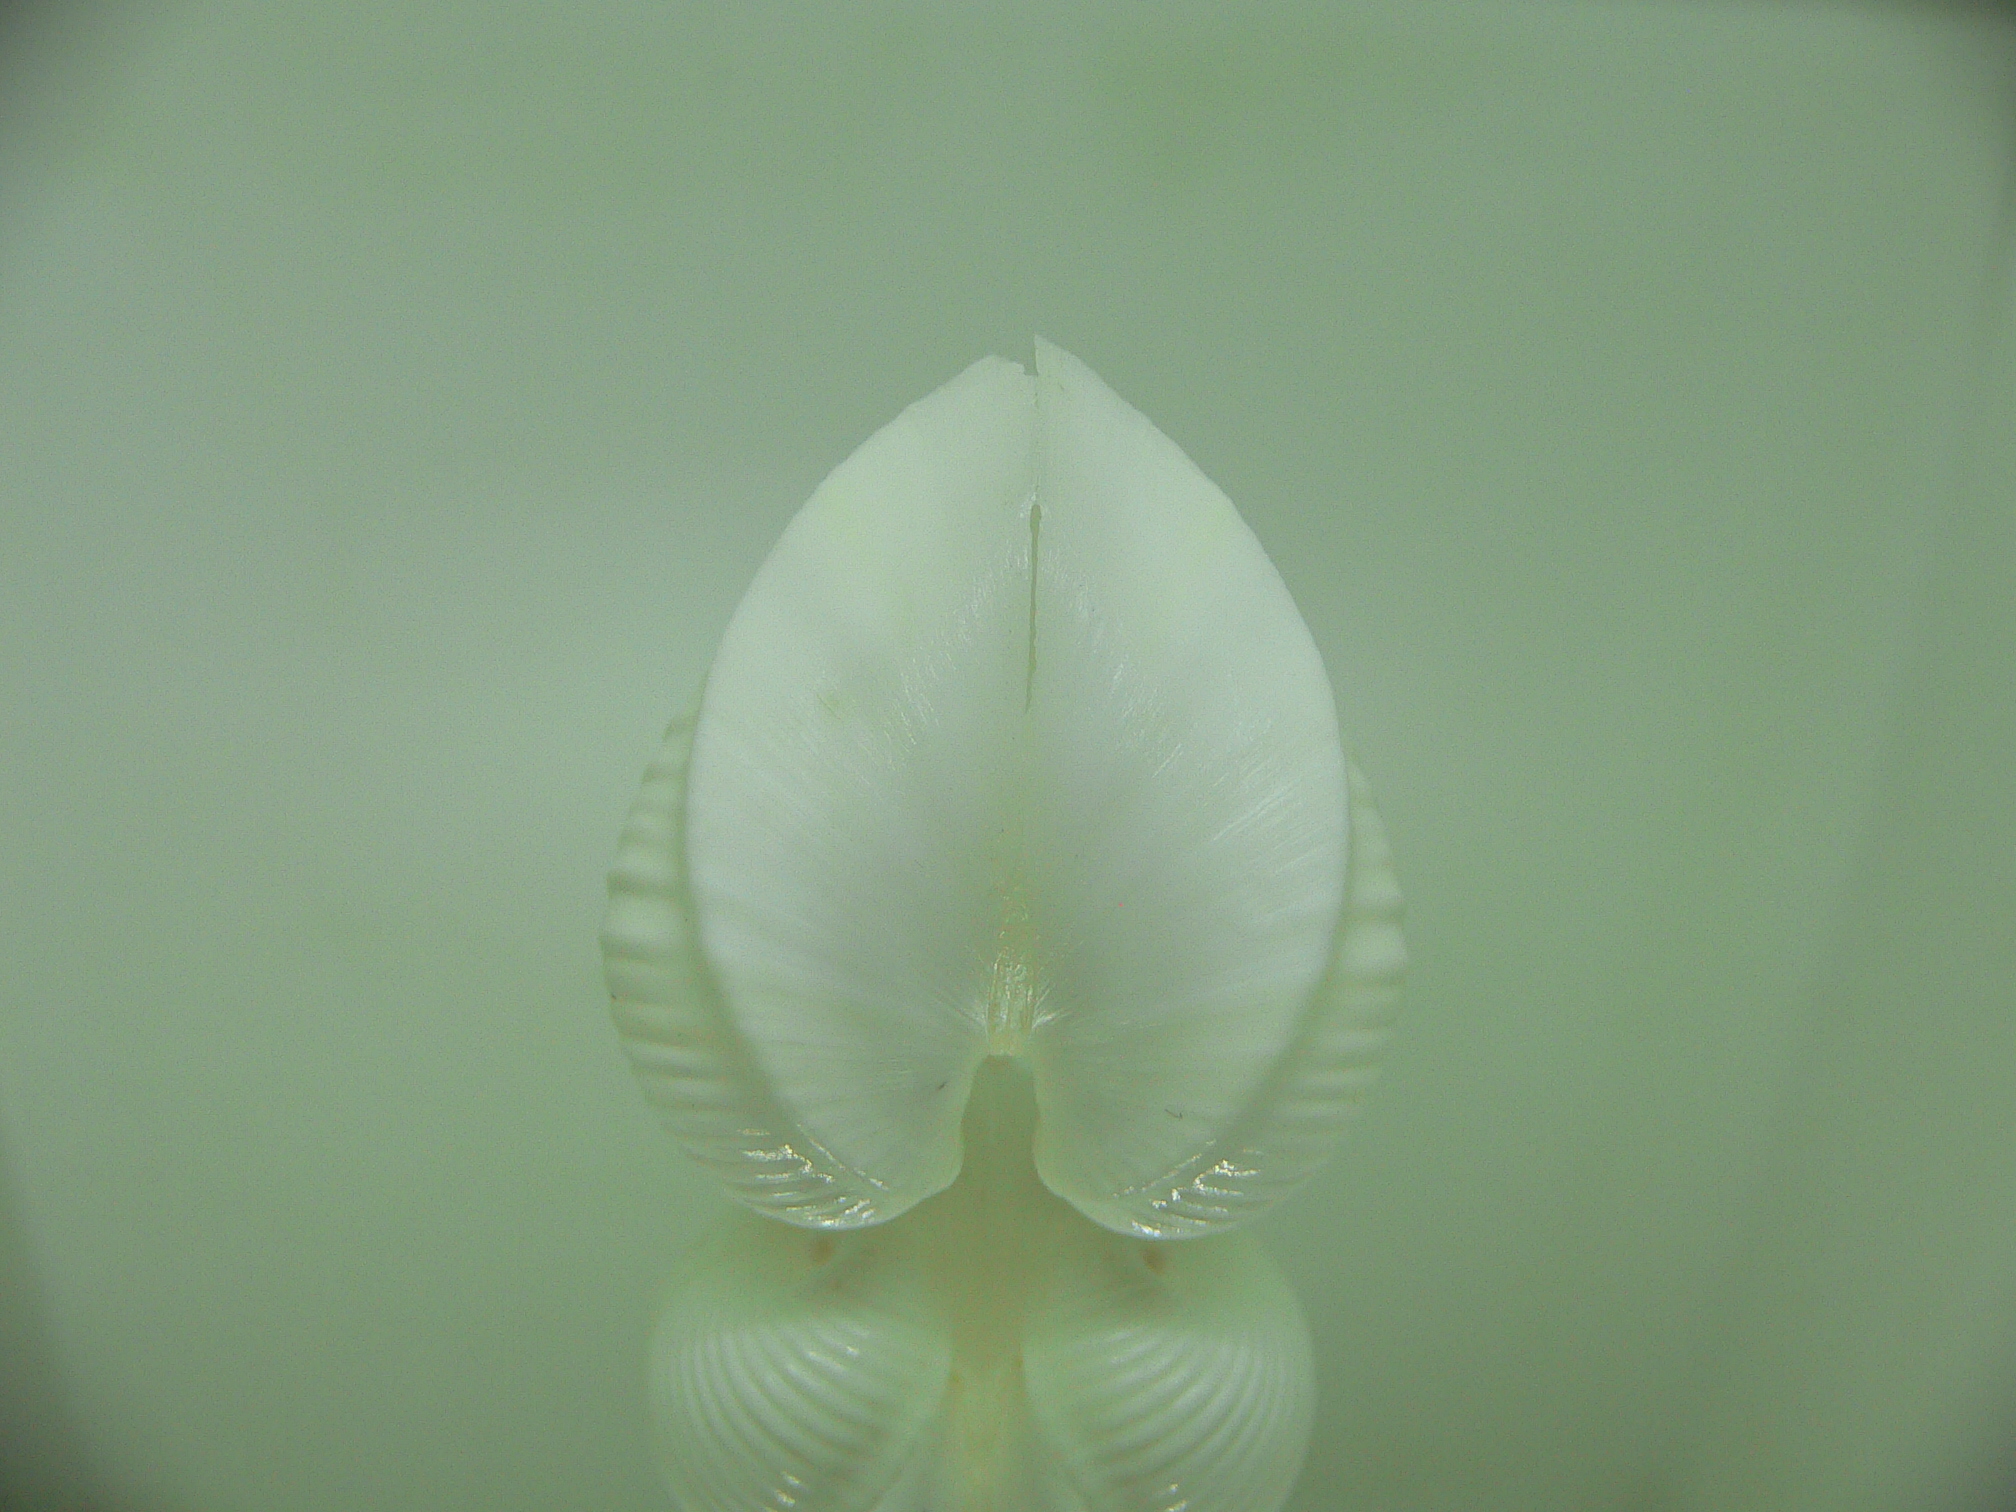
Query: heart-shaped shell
[1016, 746]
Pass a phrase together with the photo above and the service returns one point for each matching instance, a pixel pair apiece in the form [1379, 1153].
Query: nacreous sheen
[1008, 910]
[1016, 745]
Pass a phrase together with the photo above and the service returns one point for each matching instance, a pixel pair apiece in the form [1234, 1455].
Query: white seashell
[1016, 746]
[990, 1351]
[1009, 909]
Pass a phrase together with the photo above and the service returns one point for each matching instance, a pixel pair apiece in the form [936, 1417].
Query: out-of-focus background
[395, 398]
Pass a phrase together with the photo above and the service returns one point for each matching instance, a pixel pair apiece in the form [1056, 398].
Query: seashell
[1017, 745]
[989, 1351]
[1008, 908]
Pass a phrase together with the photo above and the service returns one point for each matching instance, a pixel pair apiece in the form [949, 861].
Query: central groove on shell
[1035, 530]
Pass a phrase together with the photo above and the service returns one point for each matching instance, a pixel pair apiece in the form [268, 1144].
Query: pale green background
[395, 398]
